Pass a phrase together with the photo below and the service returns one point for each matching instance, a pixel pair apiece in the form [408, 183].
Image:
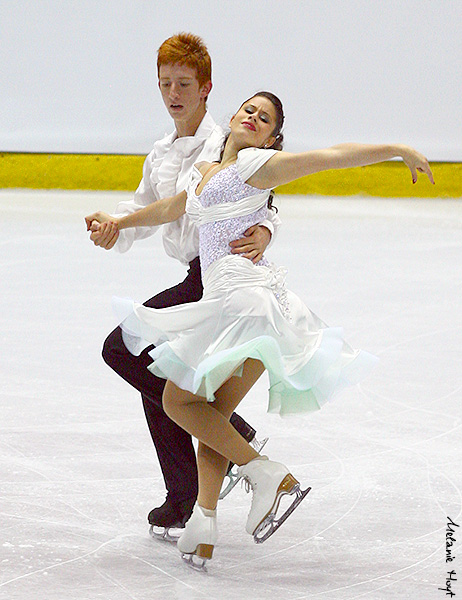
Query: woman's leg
[219, 442]
[211, 471]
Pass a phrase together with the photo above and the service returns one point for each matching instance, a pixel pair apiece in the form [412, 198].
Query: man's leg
[173, 445]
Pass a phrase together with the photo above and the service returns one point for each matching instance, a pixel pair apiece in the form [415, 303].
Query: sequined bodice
[215, 237]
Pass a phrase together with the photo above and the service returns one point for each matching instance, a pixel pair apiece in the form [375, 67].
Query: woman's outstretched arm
[284, 167]
[157, 213]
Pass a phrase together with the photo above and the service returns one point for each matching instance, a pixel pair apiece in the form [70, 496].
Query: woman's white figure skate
[269, 481]
[199, 538]
[232, 477]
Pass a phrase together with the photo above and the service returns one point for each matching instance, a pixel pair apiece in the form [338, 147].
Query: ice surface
[77, 468]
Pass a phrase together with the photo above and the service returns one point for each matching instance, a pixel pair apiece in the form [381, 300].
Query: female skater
[247, 321]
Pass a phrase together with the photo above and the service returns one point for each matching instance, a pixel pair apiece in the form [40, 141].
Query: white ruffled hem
[201, 345]
[328, 371]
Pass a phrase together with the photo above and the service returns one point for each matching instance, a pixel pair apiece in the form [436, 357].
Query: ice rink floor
[77, 468]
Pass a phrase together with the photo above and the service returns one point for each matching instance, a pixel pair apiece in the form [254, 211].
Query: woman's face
[254, 122]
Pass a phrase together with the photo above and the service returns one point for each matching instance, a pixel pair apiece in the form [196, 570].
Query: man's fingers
[241, 249]
[244, 241]
[251, 230]
[254, 256]
[238, 243]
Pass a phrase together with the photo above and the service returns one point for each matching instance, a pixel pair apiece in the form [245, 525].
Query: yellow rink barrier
[123, 173]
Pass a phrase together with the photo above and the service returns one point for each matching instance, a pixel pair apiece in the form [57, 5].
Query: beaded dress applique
[215, 237]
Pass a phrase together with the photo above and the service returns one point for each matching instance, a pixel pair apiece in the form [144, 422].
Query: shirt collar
[204, 130]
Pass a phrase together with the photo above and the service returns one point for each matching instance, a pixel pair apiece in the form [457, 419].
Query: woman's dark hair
[277, 131]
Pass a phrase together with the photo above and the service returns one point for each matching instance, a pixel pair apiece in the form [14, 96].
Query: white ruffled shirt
[166, 172]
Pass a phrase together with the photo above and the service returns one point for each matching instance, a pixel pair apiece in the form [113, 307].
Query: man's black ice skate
[167, 519]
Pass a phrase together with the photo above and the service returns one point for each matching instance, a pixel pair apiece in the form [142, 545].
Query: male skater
[184, 72]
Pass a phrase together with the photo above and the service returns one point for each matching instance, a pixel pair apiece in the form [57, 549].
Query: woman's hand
[104, 229]
[416, 162]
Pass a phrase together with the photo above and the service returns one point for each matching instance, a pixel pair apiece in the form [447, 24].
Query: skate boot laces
[247, 485]
[233, 476]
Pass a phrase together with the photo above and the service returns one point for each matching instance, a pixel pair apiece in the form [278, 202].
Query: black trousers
[173, 445]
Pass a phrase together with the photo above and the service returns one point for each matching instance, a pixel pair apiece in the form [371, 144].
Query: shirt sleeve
[249, 160]
[272, 223]
[143, 196]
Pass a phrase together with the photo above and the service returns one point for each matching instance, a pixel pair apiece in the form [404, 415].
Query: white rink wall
[80, 76]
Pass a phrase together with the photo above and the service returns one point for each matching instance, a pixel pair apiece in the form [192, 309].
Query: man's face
[181, 92]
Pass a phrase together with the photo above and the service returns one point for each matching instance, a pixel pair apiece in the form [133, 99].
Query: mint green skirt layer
[246, 312]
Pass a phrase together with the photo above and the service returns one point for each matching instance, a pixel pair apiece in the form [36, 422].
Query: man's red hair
[186, 49]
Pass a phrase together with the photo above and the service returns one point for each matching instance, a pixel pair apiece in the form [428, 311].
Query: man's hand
[104, 230]
[254, 243]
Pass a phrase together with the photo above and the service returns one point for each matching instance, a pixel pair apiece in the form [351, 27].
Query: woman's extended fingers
[110, 234]
[426, 169]
[417, 163]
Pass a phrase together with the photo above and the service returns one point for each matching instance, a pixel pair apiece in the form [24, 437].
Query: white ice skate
[269, 481]
[199, 538]
[232, 477]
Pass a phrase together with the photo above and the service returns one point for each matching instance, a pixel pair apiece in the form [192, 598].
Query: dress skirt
[245, 312]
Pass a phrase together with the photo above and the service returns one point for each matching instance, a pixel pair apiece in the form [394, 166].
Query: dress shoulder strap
[205, 162]
[249, 160]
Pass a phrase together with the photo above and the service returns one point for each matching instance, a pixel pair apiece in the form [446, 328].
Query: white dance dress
[245, 311]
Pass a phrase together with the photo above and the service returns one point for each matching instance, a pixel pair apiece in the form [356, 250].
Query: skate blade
[166, 534]
[233, 480]
[197, 560]
[288, 486]
[258, 445]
